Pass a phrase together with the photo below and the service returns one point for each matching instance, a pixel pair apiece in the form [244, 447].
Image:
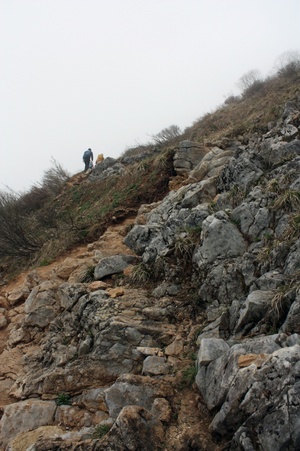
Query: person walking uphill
[87, 159]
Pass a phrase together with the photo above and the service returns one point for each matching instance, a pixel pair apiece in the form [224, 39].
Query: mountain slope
[175, 325]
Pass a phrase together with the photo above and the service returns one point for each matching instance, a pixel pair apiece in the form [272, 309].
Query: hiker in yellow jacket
[99, 158]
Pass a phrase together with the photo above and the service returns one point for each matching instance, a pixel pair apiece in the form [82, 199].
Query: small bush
[231, 99]
[183, 248]
[188, 376]
[293, 230]
[291, 70]
[44, 262]
[141, 274]
[250, 83]
[288, 201]
[273, 186]
[278, 302]
[89, 275]
[288, 64]
[253, 89]
[237, 195]
[63, 399]
[100, 431]
[184, 245]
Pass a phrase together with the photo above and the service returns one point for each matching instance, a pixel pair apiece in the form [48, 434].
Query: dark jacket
[88, 155]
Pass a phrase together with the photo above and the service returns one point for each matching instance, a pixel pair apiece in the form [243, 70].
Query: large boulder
[263, 403]
[221, 240]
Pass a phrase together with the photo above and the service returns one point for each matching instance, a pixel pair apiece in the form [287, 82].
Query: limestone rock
[92, 399]
[211, 164]
[74, 417]
[17, 296]
[24, 416]
[201, 192]
[27, 440]
[253, 309]
[187, 156]
[155, 365]
[113, 265]
[221, 239]
[65, 269]
[263, 396]
[175, 348]
[129, 391]
[150, 351]
[42, 305]
[211, 349]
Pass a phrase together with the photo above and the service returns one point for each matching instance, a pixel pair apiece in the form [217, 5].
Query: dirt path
[12, 357]
[191, 430]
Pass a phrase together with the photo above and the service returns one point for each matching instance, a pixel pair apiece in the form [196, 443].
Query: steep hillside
[160, 307]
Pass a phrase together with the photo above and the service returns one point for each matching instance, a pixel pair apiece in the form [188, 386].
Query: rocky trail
[188, 427]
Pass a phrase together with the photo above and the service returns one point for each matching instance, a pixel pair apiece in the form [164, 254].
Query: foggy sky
[108, 74]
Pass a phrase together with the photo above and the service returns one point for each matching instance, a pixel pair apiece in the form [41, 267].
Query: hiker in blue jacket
[88, 158]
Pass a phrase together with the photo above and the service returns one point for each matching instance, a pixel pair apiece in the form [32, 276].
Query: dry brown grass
[288, 201]
[246, 115]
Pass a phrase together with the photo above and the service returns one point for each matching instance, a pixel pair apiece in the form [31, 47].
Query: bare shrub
[250, 83]
[256, 87]
[167, 135]
[231, 99]
[247, 80]
[55, 178]
[52, 184]
[17, 234]
[34, 199]
[288, 64]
